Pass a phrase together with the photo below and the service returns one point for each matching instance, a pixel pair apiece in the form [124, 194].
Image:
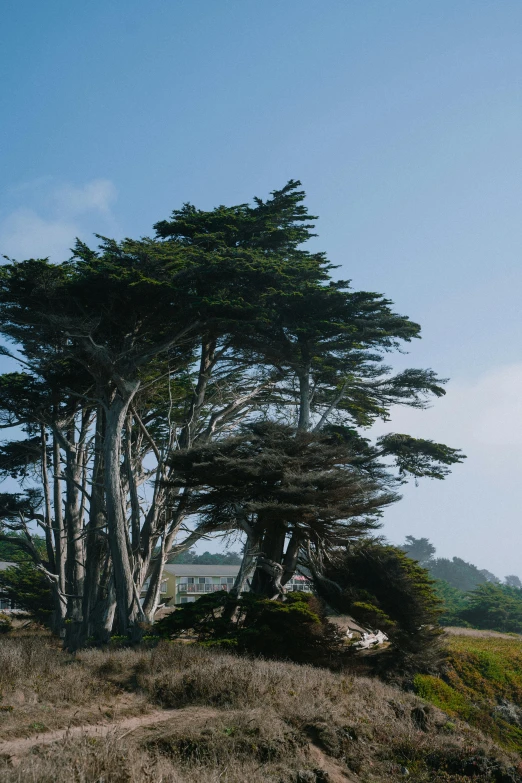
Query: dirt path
[13, 749]
[336, 773]
[17, 747]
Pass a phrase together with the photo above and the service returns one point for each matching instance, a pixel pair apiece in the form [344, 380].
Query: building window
[163, 588]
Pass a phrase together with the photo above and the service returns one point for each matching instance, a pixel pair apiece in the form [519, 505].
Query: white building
[183, 584]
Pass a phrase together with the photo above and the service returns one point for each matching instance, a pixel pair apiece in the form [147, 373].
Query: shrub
[381, 587]
[293, 629]
[5, 623]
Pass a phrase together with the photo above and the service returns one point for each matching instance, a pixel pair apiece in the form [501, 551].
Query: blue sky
[402, 119]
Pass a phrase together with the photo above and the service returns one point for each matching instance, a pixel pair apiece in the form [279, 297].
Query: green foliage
[470, 596]
[442, 695]
[278, 225]
[480, 674]
[457, 572]
[453, 601]
[419, 457]
[494, 607]
[293, 629]
[300, 481]
[29, 588]
[12, 551]
[379, 586]
[420, 549]
[5, 623]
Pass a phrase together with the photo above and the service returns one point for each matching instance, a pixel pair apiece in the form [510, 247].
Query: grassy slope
[482, 673]
[260, 721]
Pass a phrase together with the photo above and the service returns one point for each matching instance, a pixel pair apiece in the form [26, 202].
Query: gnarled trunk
[128, 610]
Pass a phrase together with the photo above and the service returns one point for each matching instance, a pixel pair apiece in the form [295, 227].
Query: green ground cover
[482, 684]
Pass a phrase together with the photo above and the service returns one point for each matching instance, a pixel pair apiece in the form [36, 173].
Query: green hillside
[482, 685]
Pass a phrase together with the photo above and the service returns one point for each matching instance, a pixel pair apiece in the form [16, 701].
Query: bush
[294, 629]
[382, 588]
[5, 623]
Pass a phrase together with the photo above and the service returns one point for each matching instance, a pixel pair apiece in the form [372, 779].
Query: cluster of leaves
[490, 606]
[458, 573]
[294, 629]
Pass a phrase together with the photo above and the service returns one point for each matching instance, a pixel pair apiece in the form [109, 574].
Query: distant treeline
[470, 596]
[207, 558]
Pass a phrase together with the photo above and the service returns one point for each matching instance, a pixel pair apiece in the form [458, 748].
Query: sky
[402, 119]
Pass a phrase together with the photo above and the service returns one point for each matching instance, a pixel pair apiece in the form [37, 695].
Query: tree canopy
[213, 378]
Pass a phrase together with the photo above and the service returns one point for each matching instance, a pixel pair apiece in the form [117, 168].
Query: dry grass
[455, 630]
[259, 721]
[43, 688]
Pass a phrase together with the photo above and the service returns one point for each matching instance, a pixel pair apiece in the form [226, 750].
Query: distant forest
[470, 596]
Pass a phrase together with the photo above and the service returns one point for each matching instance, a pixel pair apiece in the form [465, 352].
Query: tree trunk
[49, 544]
[59, 528]
[290, 558]
[75, 566]
[269, 571]
[128, 609]
[304, 400]
[206, 363]
[97, 558]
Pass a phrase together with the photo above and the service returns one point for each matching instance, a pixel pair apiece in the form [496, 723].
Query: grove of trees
[469, 596]
[213, 379]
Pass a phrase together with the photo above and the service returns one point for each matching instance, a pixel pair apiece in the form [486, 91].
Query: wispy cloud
[62, 212]
[482, 416]
[98, 195]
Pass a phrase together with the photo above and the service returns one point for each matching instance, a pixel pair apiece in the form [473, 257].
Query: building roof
[179, 569]
[4, 565]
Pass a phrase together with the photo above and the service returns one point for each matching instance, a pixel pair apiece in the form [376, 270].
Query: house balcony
[184, 588]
